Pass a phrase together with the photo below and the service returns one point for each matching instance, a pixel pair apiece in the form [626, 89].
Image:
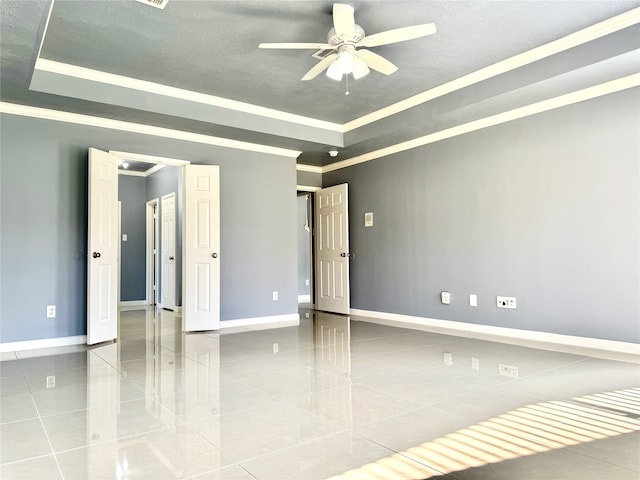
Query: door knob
[214, 255]
[96, 254]
[170, 258]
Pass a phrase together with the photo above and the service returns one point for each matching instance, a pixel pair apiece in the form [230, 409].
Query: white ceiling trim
[308, 168]
[508, 116]
[307, 188]
[575, 39]
[46, 26]
[174, 162]
[83, 73]
[68, 117]
[131, 173]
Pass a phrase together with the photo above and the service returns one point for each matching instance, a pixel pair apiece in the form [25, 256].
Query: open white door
[168, 240]
[332, 249]
[201, 249]
[102, 248]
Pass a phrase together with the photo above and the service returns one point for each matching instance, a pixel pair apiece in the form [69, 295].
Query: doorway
[199, 185]
[304, 231]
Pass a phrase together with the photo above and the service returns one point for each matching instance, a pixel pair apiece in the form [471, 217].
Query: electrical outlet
[275, 348]
[506, 302]
[445, 298]
[51, 381]
[508, 370]
[275, 295]
[447, 358]
[51, 311]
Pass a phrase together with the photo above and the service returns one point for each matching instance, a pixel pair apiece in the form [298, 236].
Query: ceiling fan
[343, 53]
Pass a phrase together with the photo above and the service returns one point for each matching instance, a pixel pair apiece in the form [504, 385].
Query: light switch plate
[368, 219]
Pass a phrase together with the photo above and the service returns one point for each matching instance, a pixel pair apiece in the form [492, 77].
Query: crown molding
[87, 120]
[606, 88]
[567, 42]
[69, 70]
[308, 168]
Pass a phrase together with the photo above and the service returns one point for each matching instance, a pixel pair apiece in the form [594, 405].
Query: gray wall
[546, 209]
[43, 224]
[304, 247]
[309, 179]
[132, 193]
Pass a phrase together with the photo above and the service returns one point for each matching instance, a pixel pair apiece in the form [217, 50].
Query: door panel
[332, 249]
[201, 249]
[168, 283]
[102, 248]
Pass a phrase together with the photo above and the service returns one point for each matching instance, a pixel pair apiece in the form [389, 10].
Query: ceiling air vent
[154, 3]
[321, 54]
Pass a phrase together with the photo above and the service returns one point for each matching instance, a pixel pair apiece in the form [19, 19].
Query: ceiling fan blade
[343, 20]
[377, 62]
[320, 67]
[398, 35]
[302, 46]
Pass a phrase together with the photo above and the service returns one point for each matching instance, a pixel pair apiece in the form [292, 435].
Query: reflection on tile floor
[329, 398]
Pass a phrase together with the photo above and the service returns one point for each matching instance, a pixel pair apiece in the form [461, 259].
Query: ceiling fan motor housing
[334, 40]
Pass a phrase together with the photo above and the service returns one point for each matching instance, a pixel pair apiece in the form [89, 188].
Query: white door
[168, 241]
[332, 249]
[152, 252]
[102, 248]
[201, 249]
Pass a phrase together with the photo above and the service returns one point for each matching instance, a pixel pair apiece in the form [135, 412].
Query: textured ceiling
[210, 47]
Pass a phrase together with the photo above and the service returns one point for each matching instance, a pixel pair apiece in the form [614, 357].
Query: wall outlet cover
[506, 302]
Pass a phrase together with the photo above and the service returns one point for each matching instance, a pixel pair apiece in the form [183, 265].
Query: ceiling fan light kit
[342, 54]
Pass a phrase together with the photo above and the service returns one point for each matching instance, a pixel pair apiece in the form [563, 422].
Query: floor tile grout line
[571, 449]
[400, 453]
[46, 434]
[103, 442]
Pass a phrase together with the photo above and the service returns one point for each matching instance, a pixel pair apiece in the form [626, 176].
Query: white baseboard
[43, 343]
[132, 304]
[506, 335]
[304, 298]
[260, 323]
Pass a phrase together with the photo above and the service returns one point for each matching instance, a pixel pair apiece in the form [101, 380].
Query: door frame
[310, 198]
[126, 156]
[152, 244]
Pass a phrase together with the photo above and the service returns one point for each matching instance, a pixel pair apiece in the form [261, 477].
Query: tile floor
[331, 398]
